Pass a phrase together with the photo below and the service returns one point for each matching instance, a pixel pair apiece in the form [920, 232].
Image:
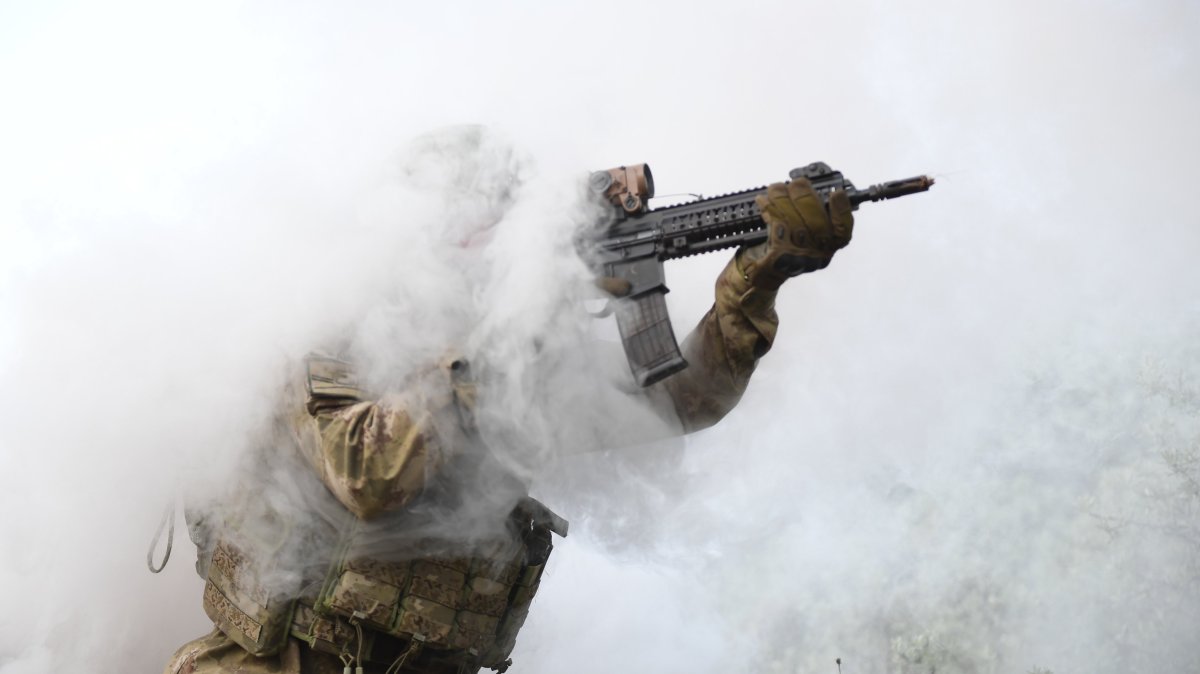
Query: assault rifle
[637, 240]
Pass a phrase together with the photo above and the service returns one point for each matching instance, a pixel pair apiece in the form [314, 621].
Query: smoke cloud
[973, 448]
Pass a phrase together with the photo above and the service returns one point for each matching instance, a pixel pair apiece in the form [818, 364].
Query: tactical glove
[802, 234]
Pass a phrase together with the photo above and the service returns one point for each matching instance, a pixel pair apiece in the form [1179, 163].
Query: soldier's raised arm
[723, 350]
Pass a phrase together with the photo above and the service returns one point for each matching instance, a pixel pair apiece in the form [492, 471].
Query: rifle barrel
[892, 189]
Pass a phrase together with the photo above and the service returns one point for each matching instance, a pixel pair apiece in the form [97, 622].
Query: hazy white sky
[917, 477]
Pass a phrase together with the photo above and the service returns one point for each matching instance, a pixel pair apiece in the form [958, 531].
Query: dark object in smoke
[541, 517]
[634, 245]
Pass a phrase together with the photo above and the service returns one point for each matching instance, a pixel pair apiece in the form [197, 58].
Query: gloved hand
[802, 235]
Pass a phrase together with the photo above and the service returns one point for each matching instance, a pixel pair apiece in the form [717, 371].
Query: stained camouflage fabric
[375, 454]
[723, 350]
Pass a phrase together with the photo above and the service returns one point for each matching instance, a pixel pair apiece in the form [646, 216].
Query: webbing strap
[168, 520]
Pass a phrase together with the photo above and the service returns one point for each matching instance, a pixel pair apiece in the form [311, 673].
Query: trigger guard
[605, 311]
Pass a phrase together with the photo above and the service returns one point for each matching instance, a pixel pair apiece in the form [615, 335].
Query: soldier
[377, 532]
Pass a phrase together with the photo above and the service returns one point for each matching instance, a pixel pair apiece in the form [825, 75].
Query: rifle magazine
[648, 338]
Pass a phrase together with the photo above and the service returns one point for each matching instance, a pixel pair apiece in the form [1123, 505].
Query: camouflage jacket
[378, 458]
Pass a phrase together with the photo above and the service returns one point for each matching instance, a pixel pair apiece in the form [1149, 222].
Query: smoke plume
[972, 449]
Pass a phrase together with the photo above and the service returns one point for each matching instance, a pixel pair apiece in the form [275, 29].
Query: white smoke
[968, 452]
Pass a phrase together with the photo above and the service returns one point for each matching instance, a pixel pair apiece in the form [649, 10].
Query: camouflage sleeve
[376, 454]
[723, 350]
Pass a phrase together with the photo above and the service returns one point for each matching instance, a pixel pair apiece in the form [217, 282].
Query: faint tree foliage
[1067, 539]
[1147, 510]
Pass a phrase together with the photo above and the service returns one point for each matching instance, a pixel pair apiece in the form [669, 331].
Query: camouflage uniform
[367, 460]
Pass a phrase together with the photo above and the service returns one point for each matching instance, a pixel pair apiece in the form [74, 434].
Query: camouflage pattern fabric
[216, 653]
[723, 350]
[375, 454]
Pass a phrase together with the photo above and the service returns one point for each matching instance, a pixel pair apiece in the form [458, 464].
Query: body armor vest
[290, 561]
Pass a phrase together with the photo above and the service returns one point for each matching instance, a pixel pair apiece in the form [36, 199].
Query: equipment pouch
[238, 598]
